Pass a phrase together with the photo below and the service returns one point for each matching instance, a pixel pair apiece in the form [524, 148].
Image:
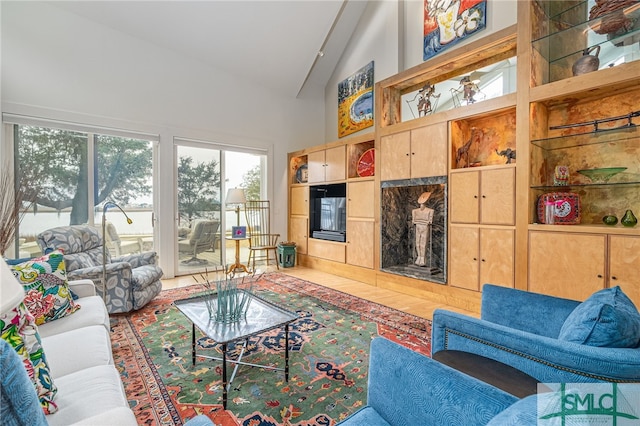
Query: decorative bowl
[601, 175]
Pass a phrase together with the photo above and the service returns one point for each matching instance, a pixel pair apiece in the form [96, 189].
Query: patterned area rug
[329, 348]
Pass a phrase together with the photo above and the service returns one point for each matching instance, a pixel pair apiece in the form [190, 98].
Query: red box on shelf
[566, 207]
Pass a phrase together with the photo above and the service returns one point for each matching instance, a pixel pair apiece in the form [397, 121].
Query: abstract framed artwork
[355, 101]
[448, 22]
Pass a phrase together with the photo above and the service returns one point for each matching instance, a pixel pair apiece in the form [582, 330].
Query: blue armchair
[407, 388]
[522, 329]
[132, 280]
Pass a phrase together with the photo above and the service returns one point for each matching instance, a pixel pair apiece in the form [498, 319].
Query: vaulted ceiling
[273, 43]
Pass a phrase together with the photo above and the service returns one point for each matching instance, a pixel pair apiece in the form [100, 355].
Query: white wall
[58, 65]
[390, 33]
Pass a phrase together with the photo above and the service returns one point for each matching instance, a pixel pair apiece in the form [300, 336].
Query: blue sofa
[407, 388]
[522, 329]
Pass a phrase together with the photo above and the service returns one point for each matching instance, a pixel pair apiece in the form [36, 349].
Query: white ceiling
[274, 43]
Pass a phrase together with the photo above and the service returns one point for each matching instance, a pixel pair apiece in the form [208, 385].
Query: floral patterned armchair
[131, 281]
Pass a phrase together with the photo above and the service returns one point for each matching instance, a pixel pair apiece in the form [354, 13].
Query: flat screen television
[328, 213]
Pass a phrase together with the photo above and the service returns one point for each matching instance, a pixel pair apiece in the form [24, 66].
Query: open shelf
[619, 134]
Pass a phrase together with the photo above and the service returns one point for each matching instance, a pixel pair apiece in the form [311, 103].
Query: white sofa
[78, 350]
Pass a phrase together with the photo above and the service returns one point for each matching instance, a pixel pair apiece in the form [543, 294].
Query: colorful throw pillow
[47, 291]
[607, 319]
[20, 332]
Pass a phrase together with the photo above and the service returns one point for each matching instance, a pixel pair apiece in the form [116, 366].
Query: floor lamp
[104, 241]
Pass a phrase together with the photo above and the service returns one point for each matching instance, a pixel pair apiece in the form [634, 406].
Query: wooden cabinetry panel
[463, 267]
[326, 250]
[463, 196]
[624, 265]
[360, 243]
[360, 199]
[395, 161]
[299, 201]
[565, 264]
[298, 231]
[497, 196]
[335, 160]
[429, 151]
[496, 257]
[316, 166]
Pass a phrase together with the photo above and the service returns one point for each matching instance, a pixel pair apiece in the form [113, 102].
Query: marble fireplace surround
[397, 232]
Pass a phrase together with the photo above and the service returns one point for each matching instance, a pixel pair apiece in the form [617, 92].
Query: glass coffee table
[261, 316]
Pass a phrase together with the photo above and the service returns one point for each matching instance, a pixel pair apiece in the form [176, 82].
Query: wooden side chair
[261, 240]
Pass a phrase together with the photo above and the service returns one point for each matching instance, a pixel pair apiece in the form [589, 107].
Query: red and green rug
[329, 357]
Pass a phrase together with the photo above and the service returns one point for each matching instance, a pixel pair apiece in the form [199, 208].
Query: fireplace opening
[413, 227]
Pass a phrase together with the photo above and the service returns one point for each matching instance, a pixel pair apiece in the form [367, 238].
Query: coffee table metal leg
[286, 352]
[193, 344]
[224, 376]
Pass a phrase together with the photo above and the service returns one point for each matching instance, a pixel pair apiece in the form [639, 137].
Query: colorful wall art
[355, 101]
[447, 22]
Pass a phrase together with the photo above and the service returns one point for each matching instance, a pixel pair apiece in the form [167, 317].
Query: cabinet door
[360, 239]
[298, 229]
[463, 260]
[328, 250]
[395, 160]
[463, 194]
[316, 166]
[624, 265]
[566, 265]
[335, 161]
[429, 151]
[497, 196]
[496, 257]
[299, 201]
[360, 199]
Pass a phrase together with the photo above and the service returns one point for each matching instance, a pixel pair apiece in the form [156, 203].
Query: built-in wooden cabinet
[360, 223]
[327, 165]
[575, 264]
[421, 152]
[481, 255]
[484, 196]
[328, 250]
[299, 217]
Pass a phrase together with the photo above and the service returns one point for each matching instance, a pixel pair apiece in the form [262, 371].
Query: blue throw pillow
[607, 319]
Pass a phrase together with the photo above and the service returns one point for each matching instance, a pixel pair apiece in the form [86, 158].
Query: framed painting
[448, 22]
[355, 101]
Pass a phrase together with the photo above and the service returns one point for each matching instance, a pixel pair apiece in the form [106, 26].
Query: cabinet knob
[413, 153]
[475, 258]
[407, 154]
[613, 277]
[484, 196]
[482, 260]
[475, 196]
[599, 275]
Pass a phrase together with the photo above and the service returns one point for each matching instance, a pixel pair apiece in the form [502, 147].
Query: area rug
[329, 358]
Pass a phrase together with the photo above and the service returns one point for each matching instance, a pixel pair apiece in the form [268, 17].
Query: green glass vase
[629, 219]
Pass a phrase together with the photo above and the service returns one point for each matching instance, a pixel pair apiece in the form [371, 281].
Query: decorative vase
[610, 220]
[588, 62]
[629, 219]
[446, 19]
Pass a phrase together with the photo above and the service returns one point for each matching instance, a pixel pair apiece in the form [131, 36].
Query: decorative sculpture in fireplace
[422, 218]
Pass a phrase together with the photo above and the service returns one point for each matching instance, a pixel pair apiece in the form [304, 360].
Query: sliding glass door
[70, 175]
[205, 173]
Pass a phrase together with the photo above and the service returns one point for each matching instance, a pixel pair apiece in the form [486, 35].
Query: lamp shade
[236, 196]
[11, 291]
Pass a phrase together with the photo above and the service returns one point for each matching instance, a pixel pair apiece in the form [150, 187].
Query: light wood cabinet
[327, 165]
[360, 241]
[483, 196]
[328, 250]
[360, 199]
[624, 265]
[569, 265]
[420, 152]
[481, 255]
[299, 217]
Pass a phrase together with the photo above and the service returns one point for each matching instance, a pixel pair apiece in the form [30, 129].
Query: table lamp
[236, 196]
[105, 207]
[11, 291]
